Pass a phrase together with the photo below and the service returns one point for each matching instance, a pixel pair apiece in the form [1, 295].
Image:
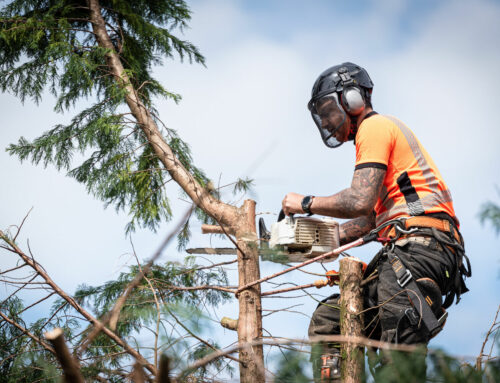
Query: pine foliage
[177, 318]
[49, 45]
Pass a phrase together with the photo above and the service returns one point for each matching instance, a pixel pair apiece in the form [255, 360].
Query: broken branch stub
[70, 366]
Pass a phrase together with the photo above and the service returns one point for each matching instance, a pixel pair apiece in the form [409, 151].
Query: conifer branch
[40, 271]
[28, 333]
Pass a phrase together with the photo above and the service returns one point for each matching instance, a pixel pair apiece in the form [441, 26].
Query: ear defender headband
[351, 98]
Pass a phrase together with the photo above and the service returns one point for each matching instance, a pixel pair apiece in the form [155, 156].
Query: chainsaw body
[302, 238]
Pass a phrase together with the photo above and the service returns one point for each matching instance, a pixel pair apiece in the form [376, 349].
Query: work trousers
[387, 321]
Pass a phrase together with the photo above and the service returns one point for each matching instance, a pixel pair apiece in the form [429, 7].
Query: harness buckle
[405, 278]
[442, 318]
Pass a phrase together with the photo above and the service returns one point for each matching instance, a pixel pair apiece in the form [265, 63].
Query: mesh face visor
[329, 116]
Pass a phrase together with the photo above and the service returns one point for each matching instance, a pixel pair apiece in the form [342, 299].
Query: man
[396, 187]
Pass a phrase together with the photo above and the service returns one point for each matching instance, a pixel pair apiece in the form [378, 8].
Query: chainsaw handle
[281, 215]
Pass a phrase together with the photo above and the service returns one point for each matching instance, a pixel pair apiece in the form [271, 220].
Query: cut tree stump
[351, 323]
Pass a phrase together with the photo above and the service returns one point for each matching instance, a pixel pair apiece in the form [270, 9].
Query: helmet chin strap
[354, 127]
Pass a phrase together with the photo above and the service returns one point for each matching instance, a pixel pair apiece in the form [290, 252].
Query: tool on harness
[333, 277]
[330, 367]
[426, 293]
[421, 303]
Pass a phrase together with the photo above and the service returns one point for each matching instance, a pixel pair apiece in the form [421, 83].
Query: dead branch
[337, 251]
[40, 271]
[202, 287]
[112, 316]
[479, 359]
[37, 302]
[70, 366]
[328, 338]
[21, 225]
[318, 284]
[13, 269]
[28, 333]
[197, 337]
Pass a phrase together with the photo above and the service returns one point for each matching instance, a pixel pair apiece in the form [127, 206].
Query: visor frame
[327, 135]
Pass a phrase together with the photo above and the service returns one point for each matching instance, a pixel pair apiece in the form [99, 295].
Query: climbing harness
[403, 230]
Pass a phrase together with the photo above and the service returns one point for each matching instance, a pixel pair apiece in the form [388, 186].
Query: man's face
[333, 119]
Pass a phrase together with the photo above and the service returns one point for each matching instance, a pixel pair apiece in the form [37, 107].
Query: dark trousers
[386, 321]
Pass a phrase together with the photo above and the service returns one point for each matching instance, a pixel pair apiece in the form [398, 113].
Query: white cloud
[246, 114]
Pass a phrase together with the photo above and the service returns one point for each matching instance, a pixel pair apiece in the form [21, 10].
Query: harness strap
[428, 222]
[406, 281]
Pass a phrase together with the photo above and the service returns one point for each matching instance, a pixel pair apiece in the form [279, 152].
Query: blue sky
[434, 65]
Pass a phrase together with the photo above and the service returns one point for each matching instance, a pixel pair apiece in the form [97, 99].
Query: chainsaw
[298, 238]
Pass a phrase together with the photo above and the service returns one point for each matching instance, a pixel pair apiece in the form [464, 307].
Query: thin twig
[197, 337]
[337, 251]
[329, 338]
[480, 356]
[40, 271]
[112, 316]
[27, 332]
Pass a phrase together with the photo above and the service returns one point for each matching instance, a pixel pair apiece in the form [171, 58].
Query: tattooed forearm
[355, 228]
[356, 201]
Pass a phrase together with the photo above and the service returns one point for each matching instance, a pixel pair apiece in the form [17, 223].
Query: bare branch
[112, 316]
[69, 365]
[40, 271]
[21, 225]
[328, 338]
[479, 359]
[28, 333]
[337, 251]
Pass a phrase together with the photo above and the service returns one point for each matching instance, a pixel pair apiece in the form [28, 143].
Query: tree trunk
[351, 323]
[250, 306]
[240, 221]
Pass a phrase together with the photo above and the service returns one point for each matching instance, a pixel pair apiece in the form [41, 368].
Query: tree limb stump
[351, 323]
[70, 366]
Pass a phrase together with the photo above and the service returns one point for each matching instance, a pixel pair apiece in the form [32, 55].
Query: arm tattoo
[356, 228]
[356, 201]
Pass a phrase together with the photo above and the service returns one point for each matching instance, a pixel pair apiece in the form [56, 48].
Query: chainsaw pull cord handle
[281, 215]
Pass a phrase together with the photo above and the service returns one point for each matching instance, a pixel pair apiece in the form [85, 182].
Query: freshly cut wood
[212, 250]
[230, 324]
[70, 366]
[215, 229]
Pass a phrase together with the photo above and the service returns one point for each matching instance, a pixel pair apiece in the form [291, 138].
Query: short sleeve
[374, 143]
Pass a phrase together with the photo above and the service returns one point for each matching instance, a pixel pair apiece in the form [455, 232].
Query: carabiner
[403, 231]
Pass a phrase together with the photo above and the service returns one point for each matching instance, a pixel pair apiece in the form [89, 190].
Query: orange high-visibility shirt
[412, 185]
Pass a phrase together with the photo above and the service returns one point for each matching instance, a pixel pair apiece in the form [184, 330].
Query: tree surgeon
[398, 194]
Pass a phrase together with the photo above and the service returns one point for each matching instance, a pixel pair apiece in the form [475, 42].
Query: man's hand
[292, 203]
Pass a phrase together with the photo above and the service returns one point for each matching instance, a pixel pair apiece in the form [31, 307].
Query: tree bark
[70, 366]
[223, 213]
[351, 323]
[250, 305]
[240, 221]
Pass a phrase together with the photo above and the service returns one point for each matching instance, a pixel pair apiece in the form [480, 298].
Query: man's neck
[362, 116]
